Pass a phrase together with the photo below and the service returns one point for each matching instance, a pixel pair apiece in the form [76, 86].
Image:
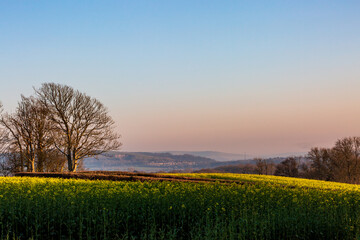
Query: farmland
[242, 207]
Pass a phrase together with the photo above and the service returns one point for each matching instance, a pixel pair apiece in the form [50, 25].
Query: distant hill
[250, 161]
[224, 157]
[289, 154]
[239, 166]
[147, 161]
[218, 156]
[160, 161]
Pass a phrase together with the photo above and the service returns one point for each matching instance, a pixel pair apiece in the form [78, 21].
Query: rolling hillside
[157, 162]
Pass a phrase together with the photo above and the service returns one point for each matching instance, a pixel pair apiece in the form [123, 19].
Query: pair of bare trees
[340, 163]
[57, 125]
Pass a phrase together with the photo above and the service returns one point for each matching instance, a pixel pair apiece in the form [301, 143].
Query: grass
[266, 208]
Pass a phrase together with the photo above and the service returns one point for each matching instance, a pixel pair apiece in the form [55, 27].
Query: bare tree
[2, 132]
[30, 137]
[321, 164]
[340, 163]
[42, 133]
[82, 124]
[20, 145]
[11, 162]
[54, 161]
[264, 166]
[3, 163]
[288, 168]
[346, 160]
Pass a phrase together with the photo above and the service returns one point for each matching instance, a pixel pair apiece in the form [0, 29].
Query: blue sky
[237, 76]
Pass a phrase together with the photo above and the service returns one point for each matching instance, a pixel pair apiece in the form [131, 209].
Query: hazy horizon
[255, 77]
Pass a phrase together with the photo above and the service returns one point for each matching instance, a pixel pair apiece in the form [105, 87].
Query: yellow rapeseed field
[253, 207]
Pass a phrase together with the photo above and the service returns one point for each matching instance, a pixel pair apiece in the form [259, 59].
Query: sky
[255, 77]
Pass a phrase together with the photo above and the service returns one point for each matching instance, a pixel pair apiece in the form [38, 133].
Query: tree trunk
[32, 166]
[21, 163]
[70, 165]
[40, 161]
[75, 165]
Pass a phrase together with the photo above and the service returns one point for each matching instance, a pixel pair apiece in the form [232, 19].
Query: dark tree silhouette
[321, 165]
[288, 167]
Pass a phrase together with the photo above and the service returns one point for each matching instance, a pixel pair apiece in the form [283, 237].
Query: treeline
[341, 163]
[54, 130]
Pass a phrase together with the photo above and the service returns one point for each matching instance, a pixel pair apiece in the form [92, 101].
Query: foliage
[264, 207]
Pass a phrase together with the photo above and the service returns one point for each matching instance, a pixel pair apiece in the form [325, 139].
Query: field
[231, 206]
